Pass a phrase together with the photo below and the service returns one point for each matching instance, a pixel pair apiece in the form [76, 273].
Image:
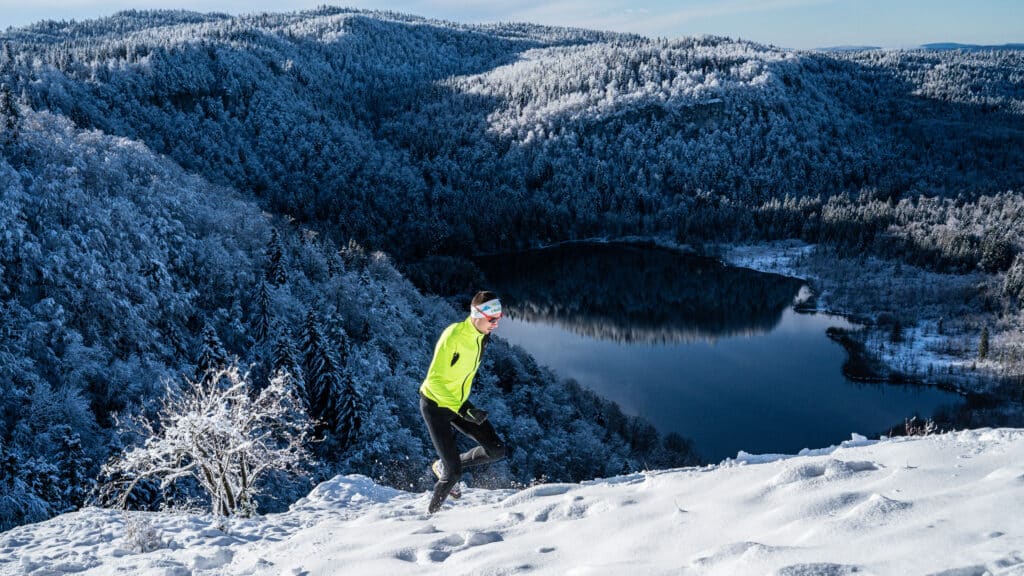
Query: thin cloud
[669, 22]
[650, 19]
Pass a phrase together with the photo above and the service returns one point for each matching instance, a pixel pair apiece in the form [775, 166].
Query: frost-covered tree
[220, 437]
[10, 116]
[262, 316]
[322, 376]
[212, 357]
[350, 414]
[285, 358]
[276, 272]
[19, 503]
[1013, 284]
[74, 467]
[996, 254]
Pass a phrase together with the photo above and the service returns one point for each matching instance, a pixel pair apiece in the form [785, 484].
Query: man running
[444, 398]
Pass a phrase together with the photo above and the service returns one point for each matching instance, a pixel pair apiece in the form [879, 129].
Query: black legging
[442, 423]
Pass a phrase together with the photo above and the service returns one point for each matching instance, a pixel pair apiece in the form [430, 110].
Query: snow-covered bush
[219, 434]
[140, 535]
[915, 426]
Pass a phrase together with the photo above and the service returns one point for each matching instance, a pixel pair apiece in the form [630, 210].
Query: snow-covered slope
[948, 504]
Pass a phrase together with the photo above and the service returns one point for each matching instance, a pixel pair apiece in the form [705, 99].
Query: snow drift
[947, 504]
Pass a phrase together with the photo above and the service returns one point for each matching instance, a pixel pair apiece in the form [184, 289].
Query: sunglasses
[491, 319]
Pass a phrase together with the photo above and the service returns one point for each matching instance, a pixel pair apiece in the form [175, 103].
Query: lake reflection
[714, 353]
[636, 293]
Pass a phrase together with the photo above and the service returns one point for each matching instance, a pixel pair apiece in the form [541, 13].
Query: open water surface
[715, 353]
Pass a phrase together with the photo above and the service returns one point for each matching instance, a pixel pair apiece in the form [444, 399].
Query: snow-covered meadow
[948, 504]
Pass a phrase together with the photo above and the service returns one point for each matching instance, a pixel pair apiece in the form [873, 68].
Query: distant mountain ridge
[848, 48]
[957, 46]
[938, 46]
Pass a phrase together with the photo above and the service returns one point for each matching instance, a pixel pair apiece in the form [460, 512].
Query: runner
[444, 398]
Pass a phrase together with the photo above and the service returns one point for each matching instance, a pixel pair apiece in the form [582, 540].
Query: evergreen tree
[1013, 285]
[9, 112]
[276, 273]
[19, 501]
[983, 344]
[322, 377]
[342, 344]
[262, 316]
[212, 356]
[996, 254]
[350, 414]
[73, 466]
[285, 357]
[10, 115]
[236, 333]
[335, 265]
[6, 57]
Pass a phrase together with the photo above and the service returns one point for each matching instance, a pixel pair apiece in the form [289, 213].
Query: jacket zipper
[479, 353]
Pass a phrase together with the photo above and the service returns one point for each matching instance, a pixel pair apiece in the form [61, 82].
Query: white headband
[491, 308]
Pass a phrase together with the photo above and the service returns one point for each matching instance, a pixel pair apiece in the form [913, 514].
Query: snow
[946, 504]
[776, 257]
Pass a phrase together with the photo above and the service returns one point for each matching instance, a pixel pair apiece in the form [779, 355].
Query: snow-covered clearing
[948, 504]
[778, 257]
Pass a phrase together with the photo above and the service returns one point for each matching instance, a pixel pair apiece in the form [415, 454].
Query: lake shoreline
[693, 345]
[926, 353]
[925, 356]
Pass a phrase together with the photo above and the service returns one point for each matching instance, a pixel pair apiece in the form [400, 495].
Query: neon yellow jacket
[456, 359]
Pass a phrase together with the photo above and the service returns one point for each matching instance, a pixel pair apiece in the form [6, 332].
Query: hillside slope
[393, 129]
[122, 274]
[927, 505]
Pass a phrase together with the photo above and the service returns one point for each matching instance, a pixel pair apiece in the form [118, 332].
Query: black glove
[472, 414]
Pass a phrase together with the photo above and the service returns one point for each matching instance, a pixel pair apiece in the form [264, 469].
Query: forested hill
[422, 137]
[124, 277]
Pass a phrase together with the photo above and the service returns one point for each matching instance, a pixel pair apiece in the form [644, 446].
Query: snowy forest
[182, 193]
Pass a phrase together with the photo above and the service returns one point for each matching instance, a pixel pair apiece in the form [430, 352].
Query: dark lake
[715, 353]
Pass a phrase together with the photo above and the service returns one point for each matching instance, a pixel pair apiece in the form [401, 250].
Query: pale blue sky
[786, 23]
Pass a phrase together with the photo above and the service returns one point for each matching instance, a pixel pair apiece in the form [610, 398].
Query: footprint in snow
[1015, 559]
[830, 505]
[481, 538]
[737, 551]
[441, 549]
[219, 559]
[830, 470]
[544, 513]
[539, 491]
[406, 555]
[511, 518]
[819, 570]
[978, 570]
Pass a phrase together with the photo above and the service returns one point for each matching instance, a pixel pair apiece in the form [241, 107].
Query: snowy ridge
[946, 504]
